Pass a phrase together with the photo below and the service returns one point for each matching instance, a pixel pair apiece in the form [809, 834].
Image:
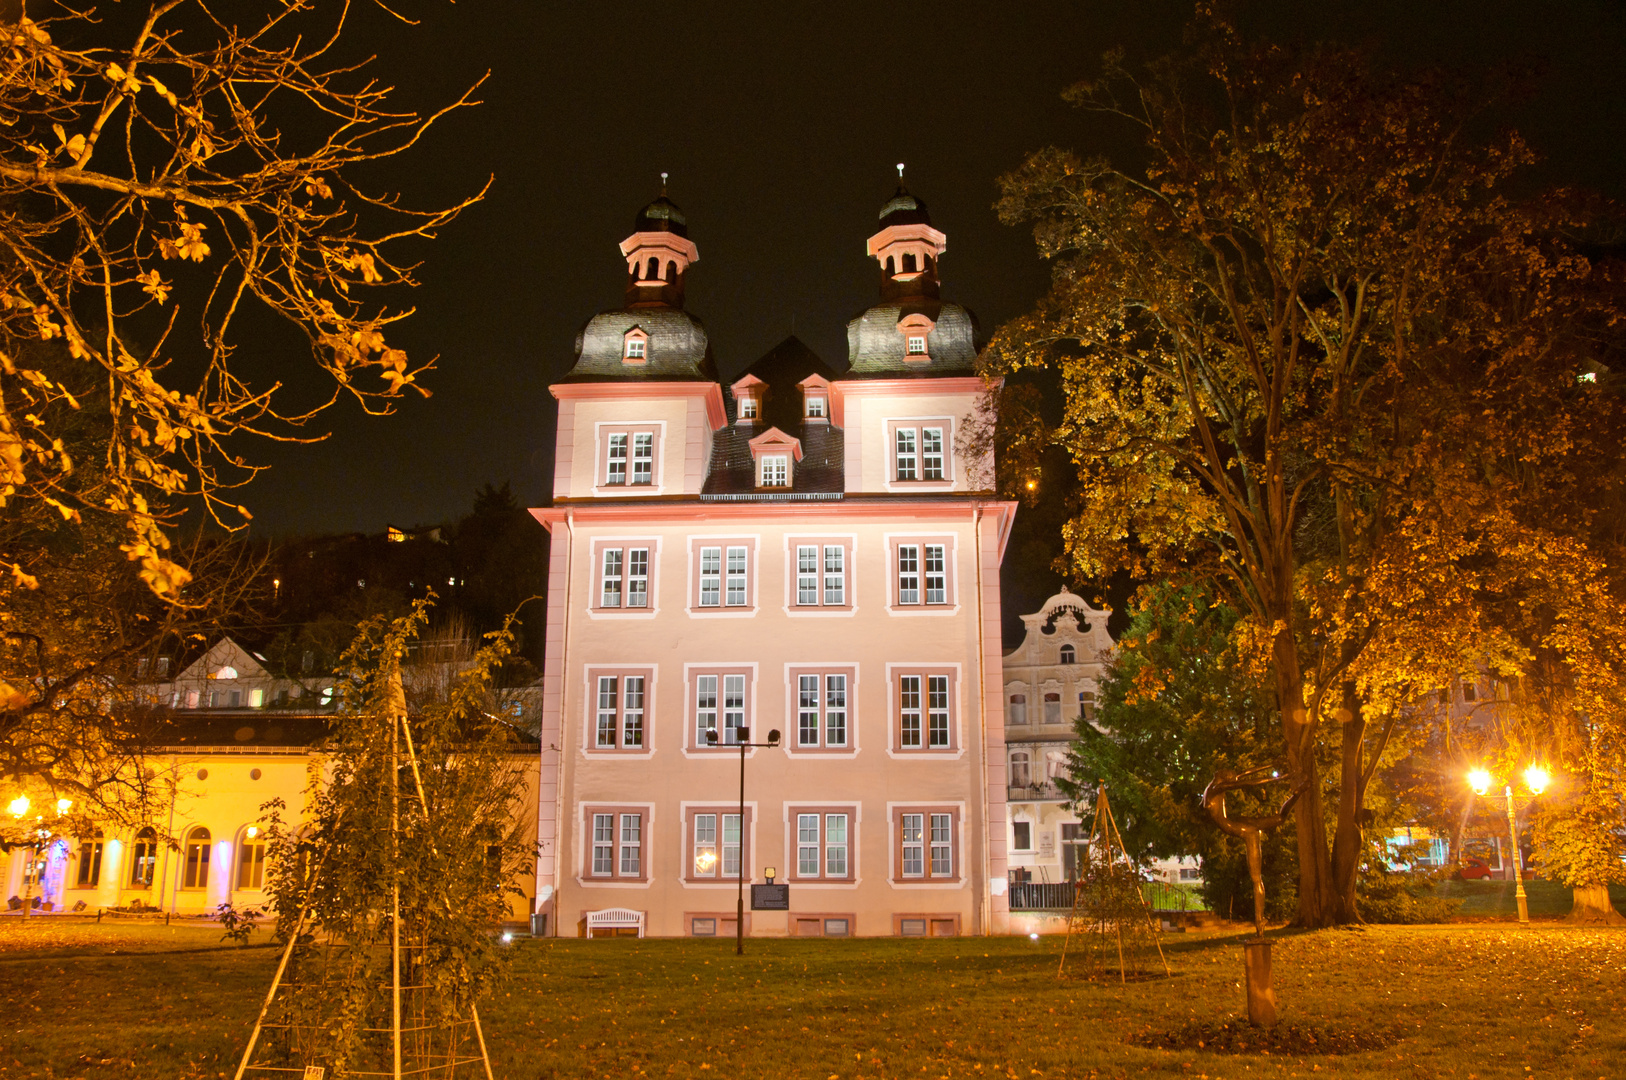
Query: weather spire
[900, 172]
[663, 179]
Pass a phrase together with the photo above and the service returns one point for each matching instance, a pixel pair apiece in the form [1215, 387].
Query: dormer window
[748, 408]
[815, 408]
[774, 470]
[635, 346]
[917, 346]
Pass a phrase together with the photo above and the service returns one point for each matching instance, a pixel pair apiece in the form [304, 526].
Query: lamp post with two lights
[1536, 780]
[742, 735]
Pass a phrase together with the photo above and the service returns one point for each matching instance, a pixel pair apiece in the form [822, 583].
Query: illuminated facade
[808, 550]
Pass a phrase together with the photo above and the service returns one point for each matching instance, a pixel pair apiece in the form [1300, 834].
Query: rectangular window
[736, 577]
[775, 470]
[610, 591]
[807, 574]
[942, 846]
[925, 711]
[631, 844]
[608, 695]
[705, 708]
[711, 576]
[926, 842]
[936, 575]
[917, 345]
[635, 348]
[748, 408]
[637, 577]
[909, 711]
[931, 453]
[618, 711]
[908, 574]
[937, 710]
[835, 710]
[1023, 839]
[911, 829]
[906, 454]
[807, 845]
[1052, 708]
[807, 711]
[835, 576]
[603, 845]
[733, 708]
[716, 853]
[251, 865]
[643, 457]
[815, 407]
[835, 845]
[823, 843]
[615, 470]
[90, 864]
[197, 865]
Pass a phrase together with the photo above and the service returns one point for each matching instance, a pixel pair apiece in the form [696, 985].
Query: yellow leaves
[155, 286]
[74, 146]
[163, 91]
[317, 187]
[12, 698]
[192, 245]
[124, 80]
[48, 327]
[68, 513]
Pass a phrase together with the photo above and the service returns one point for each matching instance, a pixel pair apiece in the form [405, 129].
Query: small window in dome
[815, 406]
[635, 349]
[909, 262]
[917, 346]
[654, 268]
[671, 271]
[891, 266]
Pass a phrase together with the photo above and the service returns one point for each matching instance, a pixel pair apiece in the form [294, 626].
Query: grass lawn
[1545, 899]
[1485, 1001]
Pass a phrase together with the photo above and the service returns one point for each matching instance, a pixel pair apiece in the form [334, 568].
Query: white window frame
[824, 844]
[637, 349]
[620, 708]
[924, 710]
[905, 455]
[722, 698]
[823, 709]
[748, 407]
[615, 459]
[710, 832]
[623, 577]
[773, 470]
[926, 843]
[816, 407]
[643, 458]
[916, 345]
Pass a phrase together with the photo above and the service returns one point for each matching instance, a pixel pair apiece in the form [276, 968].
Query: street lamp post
[1536, 779]
[743, 734]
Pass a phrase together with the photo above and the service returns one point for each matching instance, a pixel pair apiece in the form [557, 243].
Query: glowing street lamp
[63, 806]
[742, 736]
[19, 806]
[1536, 780]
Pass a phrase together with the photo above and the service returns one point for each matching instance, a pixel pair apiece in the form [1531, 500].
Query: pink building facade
[806, 549]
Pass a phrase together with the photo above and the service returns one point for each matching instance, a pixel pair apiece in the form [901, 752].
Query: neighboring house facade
[1050, 680]
[805, 549]
[236, 738]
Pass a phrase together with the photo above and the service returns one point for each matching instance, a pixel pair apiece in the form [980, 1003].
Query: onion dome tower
[912, 331]
[651, 337]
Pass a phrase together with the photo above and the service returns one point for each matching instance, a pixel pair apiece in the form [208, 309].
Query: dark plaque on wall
[770, 898]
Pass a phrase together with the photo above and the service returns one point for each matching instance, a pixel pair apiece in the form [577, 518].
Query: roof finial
[663, 183]
[900, 172]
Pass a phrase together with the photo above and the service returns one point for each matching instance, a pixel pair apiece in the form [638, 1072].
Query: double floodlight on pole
[742, 736]
[1536, 780]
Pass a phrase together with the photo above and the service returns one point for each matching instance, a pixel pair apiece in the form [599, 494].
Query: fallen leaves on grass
[1236, 1037]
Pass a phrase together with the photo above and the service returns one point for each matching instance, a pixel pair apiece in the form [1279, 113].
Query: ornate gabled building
[810, 549]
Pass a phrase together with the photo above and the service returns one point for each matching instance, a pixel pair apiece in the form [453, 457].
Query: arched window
[1052, 708]
[143, 859]
[1019, 709]
[1021, 771]
[671, 271]
[1068, 656]
[251, 858]
[635, 269]
[654, 268]
[891, 267]
[908, 262]
[197, 859]
[90, 861]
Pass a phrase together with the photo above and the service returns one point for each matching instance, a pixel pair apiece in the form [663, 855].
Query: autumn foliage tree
[164, 168]
[1318, 359]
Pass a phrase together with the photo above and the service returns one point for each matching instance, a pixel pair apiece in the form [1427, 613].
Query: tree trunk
[1318, 900]
[1347, 835]
[1592, 907]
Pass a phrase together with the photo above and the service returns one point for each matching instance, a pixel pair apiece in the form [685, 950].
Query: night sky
[780, 125]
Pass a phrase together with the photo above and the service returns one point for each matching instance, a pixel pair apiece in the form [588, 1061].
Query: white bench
[615, 919]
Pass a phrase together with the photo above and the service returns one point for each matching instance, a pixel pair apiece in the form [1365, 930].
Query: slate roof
[678, 351]
[821, 470]
[662, 215]
[904, 208]
[875, 347]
